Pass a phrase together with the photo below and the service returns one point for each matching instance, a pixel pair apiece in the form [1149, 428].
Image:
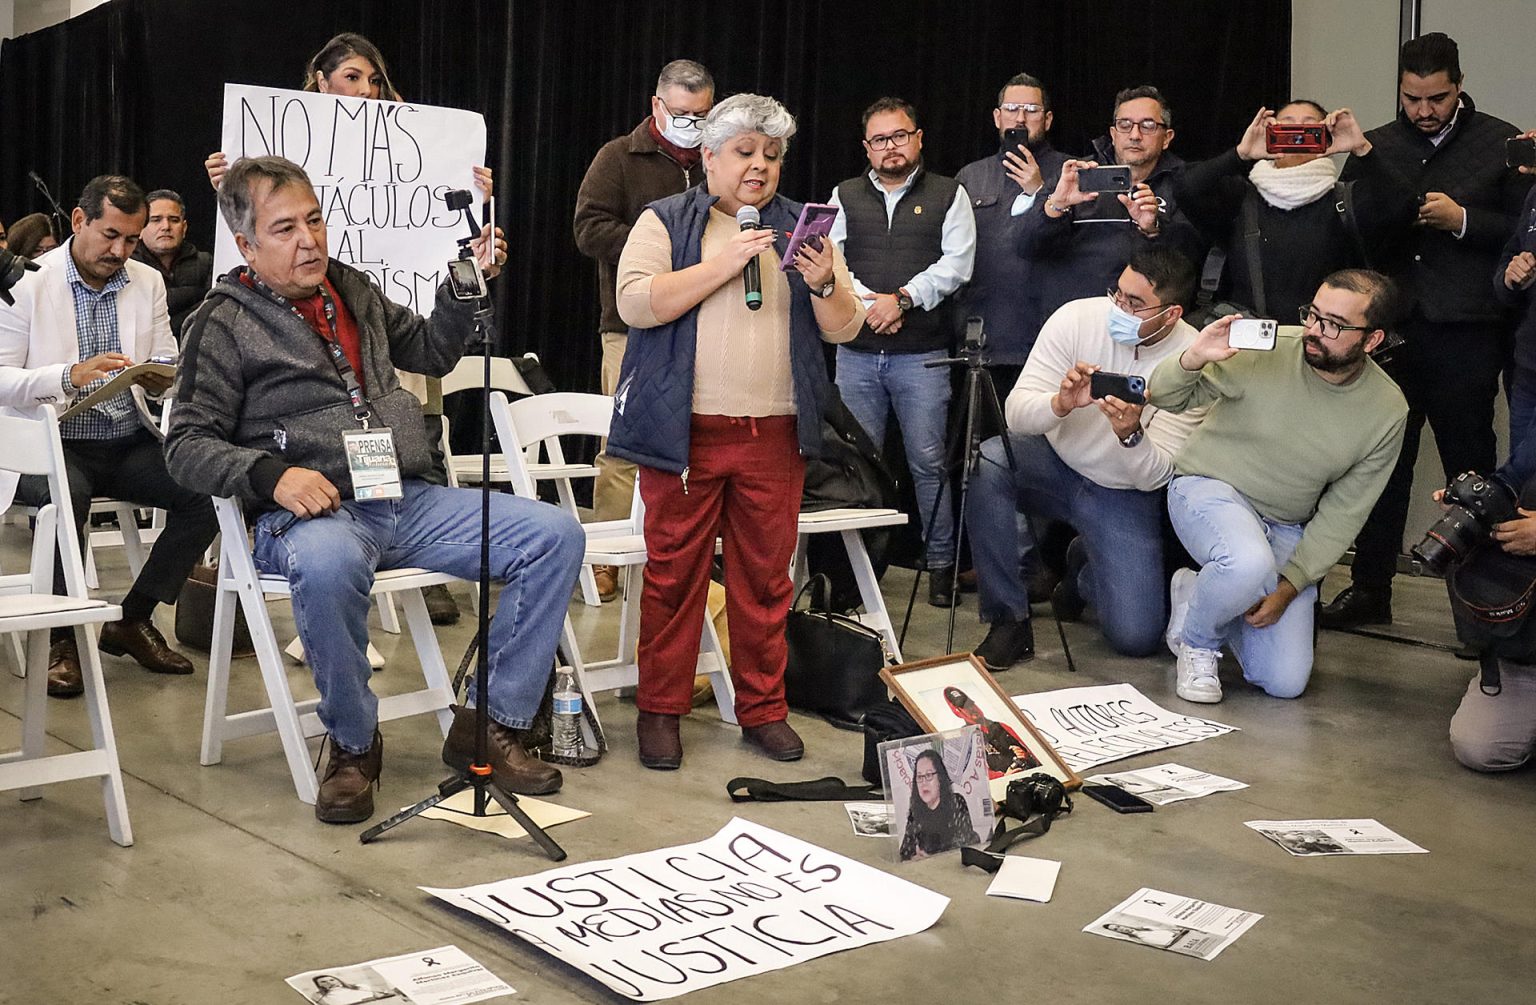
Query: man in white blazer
[87, 313]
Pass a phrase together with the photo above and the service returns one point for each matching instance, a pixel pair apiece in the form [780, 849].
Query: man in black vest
[910, 240]
[1455, 340]
[1002, 188]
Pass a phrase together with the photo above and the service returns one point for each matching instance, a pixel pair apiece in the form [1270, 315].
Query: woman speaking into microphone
[719, 403]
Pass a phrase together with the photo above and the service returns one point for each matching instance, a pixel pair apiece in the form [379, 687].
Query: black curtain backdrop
[135, 87]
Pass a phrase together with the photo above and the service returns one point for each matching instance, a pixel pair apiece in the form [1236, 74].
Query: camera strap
[1253, 248]
[830, 789]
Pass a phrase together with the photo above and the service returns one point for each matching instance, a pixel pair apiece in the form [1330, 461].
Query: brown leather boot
[776, 739]
[661, 746]
[511, 766]
[607, 579]
[346, 788]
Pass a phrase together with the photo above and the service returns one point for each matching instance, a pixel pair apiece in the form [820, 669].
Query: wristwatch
[825, 291]
[1132, 438]
[903, 300]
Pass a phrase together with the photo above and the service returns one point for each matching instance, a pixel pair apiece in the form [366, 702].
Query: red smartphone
[1296, 138]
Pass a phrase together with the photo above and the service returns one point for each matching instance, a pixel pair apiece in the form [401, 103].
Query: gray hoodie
[257, 393]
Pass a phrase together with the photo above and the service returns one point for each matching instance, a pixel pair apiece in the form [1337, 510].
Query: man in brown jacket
[658, 158]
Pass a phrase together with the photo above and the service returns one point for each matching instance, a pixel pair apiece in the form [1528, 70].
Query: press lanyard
[360, 407]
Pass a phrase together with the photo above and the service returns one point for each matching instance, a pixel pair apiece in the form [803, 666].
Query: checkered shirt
[96, 329]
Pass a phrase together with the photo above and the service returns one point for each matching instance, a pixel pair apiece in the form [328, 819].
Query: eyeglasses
[899, 138]
[680, 120]
[1120, 300]
[1016, 108]
[1327, 328]
[926, 776]
[1124, 126]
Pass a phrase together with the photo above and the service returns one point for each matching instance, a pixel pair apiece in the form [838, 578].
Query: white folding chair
[848, 523]
[28, 604]
[545, 462]
[294, 720]
[540, 419]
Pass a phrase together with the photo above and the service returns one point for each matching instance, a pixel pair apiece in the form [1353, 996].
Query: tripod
[980, 392]
[478, 774]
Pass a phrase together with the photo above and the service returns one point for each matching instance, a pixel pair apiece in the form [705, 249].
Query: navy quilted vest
[653, 405]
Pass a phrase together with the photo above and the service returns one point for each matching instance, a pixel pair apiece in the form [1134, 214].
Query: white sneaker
[1179, 591]
[1195, 674]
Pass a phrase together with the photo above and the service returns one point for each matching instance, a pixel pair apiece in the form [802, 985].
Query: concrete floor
[232, 885]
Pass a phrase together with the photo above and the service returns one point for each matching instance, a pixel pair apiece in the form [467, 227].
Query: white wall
[1344, 55]
[1495, 37]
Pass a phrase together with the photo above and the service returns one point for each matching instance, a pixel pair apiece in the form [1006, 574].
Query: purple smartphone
[814, 224]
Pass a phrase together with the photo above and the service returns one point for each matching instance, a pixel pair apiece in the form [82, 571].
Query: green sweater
[1299, 449]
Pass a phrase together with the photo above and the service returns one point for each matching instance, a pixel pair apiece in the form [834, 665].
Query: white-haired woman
[719, 405]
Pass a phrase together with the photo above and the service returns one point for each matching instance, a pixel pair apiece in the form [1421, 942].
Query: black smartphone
[1115, 178]
[1117, 799]
[1128, 387]
[1520, 152]
[1015, 138]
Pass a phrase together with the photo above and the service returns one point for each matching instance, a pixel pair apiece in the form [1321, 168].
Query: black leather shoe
[143, 641]
[442, 609]
[941, 586]
[346, 788]
[1007, 642]
[1356, 606]
[64, 680]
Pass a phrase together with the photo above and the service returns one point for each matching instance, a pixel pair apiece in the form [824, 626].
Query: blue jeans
[1120, 528]
[329, 562]
[1522, 445]
[874, 383]
[1240, 555]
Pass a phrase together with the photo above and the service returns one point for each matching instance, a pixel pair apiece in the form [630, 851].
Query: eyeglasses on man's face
[899, 138]
[1327, 327]
[1147, 126]
[682, 120]
[1123, 301]
[1020, 108]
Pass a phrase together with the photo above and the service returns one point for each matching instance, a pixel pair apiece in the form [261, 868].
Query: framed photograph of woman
[940, 798]
[948, 692]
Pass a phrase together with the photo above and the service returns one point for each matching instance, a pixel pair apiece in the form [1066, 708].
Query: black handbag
[834, 661]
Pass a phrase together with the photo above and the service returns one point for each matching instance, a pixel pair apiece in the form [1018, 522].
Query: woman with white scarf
[1302, 235]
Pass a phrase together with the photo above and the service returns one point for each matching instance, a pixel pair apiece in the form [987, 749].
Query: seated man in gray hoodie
[287, 399]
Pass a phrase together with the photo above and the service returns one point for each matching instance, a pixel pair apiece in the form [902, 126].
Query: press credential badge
[371, 459]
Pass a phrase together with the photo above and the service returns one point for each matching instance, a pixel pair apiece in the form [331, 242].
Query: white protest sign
[660, 924]
[379, 168]
[1093, 725]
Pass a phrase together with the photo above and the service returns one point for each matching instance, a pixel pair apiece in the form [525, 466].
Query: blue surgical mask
[1125, 327]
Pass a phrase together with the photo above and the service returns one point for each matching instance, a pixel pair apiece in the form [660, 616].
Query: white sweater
[1079, 332]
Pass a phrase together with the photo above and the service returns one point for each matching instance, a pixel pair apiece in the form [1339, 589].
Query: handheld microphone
[751, 275]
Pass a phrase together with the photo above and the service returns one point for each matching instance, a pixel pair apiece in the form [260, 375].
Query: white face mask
[686, 136]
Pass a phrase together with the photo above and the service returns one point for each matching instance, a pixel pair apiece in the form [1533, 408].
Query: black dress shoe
[1007, 642]
[1356, 606]
[64, 680]
[941, 586]
[442, 609]
[143, 641]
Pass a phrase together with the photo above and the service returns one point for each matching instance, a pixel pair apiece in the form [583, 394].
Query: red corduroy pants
[743, 485]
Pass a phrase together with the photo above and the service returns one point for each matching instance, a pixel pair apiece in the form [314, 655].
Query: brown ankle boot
[346, 788]
[661, 744]
[511, 766]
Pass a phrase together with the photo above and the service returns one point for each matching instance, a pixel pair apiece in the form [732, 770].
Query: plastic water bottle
[566, 729]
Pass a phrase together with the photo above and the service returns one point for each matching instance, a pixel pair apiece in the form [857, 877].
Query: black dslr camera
[1476, 502]
[1036, 793]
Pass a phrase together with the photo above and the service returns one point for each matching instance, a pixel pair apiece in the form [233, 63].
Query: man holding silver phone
[1276, 482]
